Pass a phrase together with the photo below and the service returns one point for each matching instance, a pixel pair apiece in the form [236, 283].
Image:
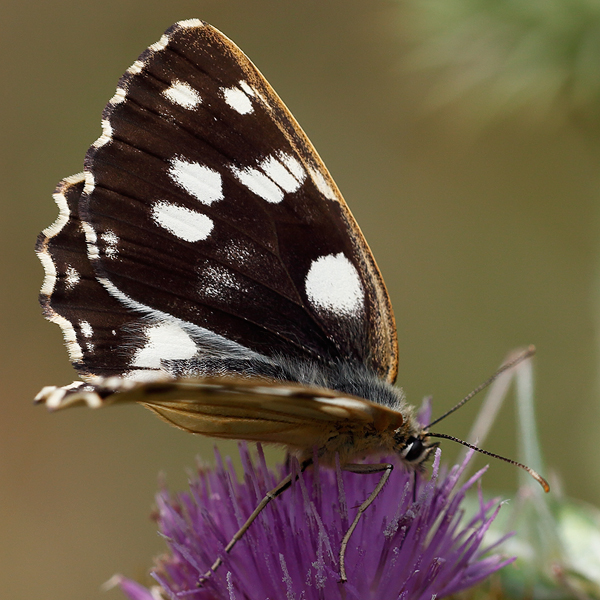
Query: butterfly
[206, 266]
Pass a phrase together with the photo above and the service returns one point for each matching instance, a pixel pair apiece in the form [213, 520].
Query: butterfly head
[414, 449]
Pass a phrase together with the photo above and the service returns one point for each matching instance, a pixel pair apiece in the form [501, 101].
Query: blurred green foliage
[541, 55]
[556, 539]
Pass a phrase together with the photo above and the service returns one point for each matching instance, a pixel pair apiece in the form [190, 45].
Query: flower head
[411, 543]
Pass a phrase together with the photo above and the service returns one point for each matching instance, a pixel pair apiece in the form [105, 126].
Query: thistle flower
[402, 548]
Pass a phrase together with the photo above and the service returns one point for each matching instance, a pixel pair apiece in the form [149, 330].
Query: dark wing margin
[207, 214]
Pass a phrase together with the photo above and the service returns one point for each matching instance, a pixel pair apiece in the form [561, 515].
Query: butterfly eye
[414, 450]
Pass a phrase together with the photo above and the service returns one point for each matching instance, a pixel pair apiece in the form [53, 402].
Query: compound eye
[414, 450]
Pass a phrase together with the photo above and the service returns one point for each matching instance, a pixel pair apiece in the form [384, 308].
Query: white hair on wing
[208, 341]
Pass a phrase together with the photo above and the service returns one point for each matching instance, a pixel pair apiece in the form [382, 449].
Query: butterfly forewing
[298, 416]
[210, 218]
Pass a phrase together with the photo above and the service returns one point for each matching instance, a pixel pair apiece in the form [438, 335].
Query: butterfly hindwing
[213, 226]
[95, 325]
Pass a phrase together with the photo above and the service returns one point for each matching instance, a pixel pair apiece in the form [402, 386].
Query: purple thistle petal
[400, 548]
[132, 589]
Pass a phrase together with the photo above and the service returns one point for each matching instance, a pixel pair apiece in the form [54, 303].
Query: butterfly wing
[294, 415]
[208, 224]
[72, 297]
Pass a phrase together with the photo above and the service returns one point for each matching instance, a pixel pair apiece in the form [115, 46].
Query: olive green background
[487, 239]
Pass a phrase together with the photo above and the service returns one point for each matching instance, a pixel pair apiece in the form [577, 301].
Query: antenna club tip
[539, 479]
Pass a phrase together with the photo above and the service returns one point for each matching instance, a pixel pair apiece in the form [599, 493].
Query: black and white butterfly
[205, 265]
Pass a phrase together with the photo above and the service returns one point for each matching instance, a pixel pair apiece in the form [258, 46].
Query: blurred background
[465, 137]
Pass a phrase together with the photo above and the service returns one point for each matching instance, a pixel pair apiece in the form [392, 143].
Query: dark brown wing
[211, 224]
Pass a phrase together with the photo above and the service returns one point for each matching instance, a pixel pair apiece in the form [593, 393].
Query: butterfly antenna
[533, 473]
[515, 361]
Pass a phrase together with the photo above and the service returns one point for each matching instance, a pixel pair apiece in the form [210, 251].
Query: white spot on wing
[207, 341]
[182, 222]
[237, 100]
[87, 332]
[274, 391]
[190, 23]
[51, 231]
[348, 403]
[72, 277]
[56, 398]
[334, 411]
[119, 96]
[164, 341]
[160, 45]
[201, 182]
[333, 284]
[293, 166]
[106, 136]
[90, 183]
[69, 335]
[136, 67]
[111, 240]
[276, 174]
[91, 240]
[63, 215]
[257, 182]
[143, 375]
[244, 85]
[322, 184]
[218, 282]
[49, 273]
[277, 169]
[183, 94]
[262, 98]
[236, 252]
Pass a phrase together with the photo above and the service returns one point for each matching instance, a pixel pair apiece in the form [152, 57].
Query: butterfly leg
[283, 485]
[387, 469]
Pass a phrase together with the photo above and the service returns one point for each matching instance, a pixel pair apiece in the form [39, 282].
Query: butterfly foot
[204, 578]
[209, 573]
[343, 577]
